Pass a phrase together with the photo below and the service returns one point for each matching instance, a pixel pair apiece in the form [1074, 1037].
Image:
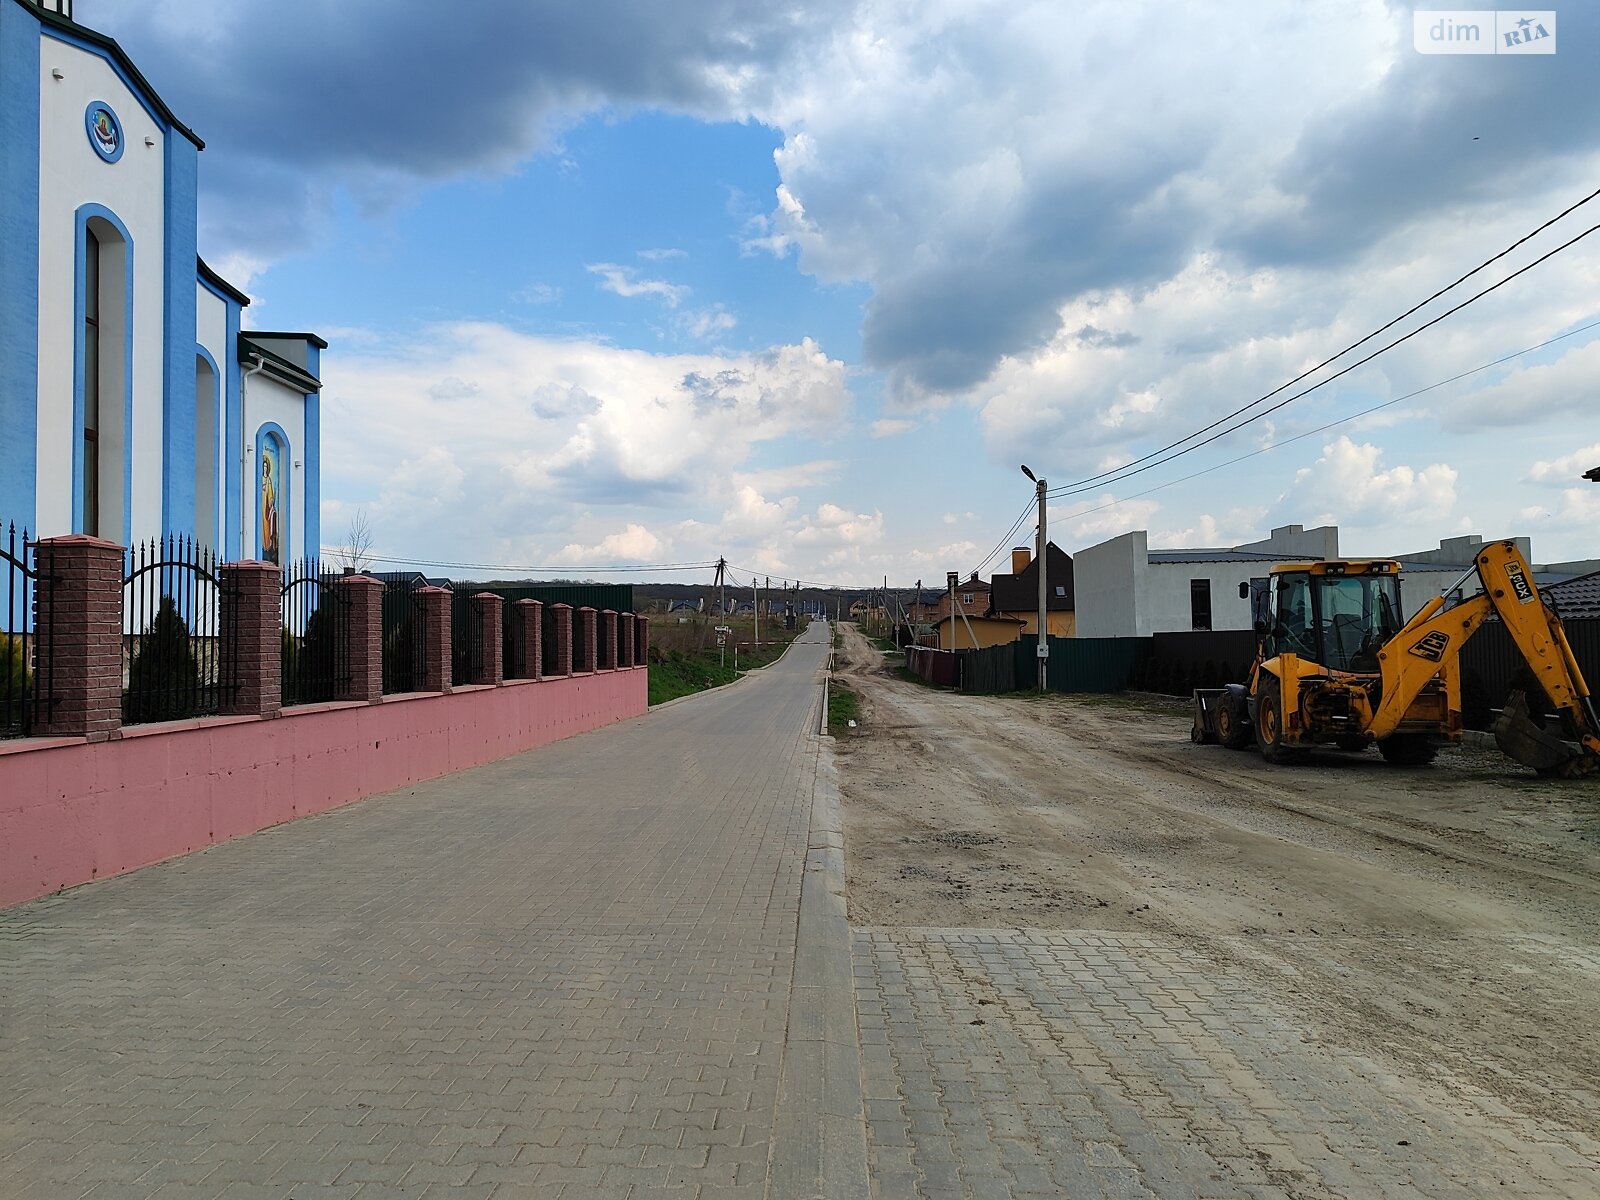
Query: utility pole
[755, 600]
[950, 579]
[1043, 650]
[722, 611]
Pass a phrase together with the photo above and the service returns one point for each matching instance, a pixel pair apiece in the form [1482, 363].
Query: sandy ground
[1445, 919]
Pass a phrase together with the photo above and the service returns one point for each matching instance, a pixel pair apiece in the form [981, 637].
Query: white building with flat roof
[1125, 589]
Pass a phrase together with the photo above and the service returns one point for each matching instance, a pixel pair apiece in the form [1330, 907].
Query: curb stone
[819, 1144]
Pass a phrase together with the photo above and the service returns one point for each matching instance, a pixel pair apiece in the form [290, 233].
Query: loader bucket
[1519, 738]
[1204, 729]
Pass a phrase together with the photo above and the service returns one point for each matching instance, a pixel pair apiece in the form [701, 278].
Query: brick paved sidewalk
[565, 974]
[1006, 1064]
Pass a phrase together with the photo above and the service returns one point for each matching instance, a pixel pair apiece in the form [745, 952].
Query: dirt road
[1445, 920]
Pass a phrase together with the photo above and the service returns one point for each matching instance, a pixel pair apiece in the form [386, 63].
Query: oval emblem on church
[105, 131]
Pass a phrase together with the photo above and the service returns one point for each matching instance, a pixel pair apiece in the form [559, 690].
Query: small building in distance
[975, 632]
[1017, 594]
[972, 598]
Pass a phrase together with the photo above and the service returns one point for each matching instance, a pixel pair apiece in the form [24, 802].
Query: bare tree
[355, 554]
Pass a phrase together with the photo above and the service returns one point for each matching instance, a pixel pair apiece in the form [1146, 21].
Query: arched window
[207, 455]
[91, 382]
[101, 469]
[272, 495]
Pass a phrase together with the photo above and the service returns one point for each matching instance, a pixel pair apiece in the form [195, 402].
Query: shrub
[164, 680]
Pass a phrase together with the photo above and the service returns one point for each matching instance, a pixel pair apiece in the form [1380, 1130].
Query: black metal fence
[467, 632]
[550, 650]
[173, 640]
[316, 646]
[511, 632]
[404, 635]
[1491, 665]
[1177, 663]
[22, 692]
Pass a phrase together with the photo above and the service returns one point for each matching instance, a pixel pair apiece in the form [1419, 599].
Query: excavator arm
[1539, 634]
[1430, 644]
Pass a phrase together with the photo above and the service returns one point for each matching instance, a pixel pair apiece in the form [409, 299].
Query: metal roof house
[1017, 594]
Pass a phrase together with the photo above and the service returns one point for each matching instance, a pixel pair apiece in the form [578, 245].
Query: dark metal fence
[990, 671]
[550, 650]
[1491, 665]
[467, 633]
[1177, 663]
[316, 645]
[404, 635]
[173, 642]
[511, 639]
[22, 692]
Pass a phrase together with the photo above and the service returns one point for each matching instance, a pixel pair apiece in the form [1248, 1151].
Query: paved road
[565, 974]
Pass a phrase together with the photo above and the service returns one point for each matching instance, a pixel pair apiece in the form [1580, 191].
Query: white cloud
[1567, 468]
[707, 323]
[1105, 518]
[537, 293]
[632, 545]
[626, 281]
[661, 254]
[1350, 484]
[889, 427]
[554, 428]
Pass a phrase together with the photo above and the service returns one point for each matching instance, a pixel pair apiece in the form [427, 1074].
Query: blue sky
[627, 283]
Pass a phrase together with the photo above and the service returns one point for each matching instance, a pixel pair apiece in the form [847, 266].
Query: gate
[173, 643]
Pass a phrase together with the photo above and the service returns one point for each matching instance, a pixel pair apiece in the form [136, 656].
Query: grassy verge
[844, 706]
[684, 657]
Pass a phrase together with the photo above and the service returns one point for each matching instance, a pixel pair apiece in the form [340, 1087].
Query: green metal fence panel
[1079, 664]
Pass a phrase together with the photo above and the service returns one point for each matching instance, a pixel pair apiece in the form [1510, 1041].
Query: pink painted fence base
[73, 811]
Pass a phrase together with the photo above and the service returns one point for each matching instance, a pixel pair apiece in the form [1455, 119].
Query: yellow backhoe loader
[1335, 664]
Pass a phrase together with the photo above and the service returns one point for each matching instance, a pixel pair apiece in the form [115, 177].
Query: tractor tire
[1269, 723]
[1233, 731]
[1408, 749]
[1352, 741]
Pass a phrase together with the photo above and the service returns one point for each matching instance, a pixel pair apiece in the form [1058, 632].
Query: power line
[1123, 473]
[1356, 416]
[1022, 517]
[1104, 475]
[458, 566]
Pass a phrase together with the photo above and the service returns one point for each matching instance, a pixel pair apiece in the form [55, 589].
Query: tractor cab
[1335, 614]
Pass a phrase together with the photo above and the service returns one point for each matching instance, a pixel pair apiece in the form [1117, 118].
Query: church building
[133, 403]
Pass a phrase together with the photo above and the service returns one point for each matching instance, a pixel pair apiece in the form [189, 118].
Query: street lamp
[1042, 651]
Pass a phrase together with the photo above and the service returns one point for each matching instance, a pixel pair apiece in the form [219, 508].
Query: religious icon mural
[270, 519]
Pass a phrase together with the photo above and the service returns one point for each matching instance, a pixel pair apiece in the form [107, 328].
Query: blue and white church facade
[132, 402]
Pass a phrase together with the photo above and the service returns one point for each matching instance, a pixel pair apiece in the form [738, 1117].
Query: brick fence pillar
[586, 641]
[527, 644]
[488, 661]
[252, 639]
[607, 660]
[625, 623]
[641, 639]
[362, 616]
[78, 620]
[561, 619]
[433, 605]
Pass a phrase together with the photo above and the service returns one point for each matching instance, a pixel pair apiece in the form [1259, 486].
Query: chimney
[1021, 556]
